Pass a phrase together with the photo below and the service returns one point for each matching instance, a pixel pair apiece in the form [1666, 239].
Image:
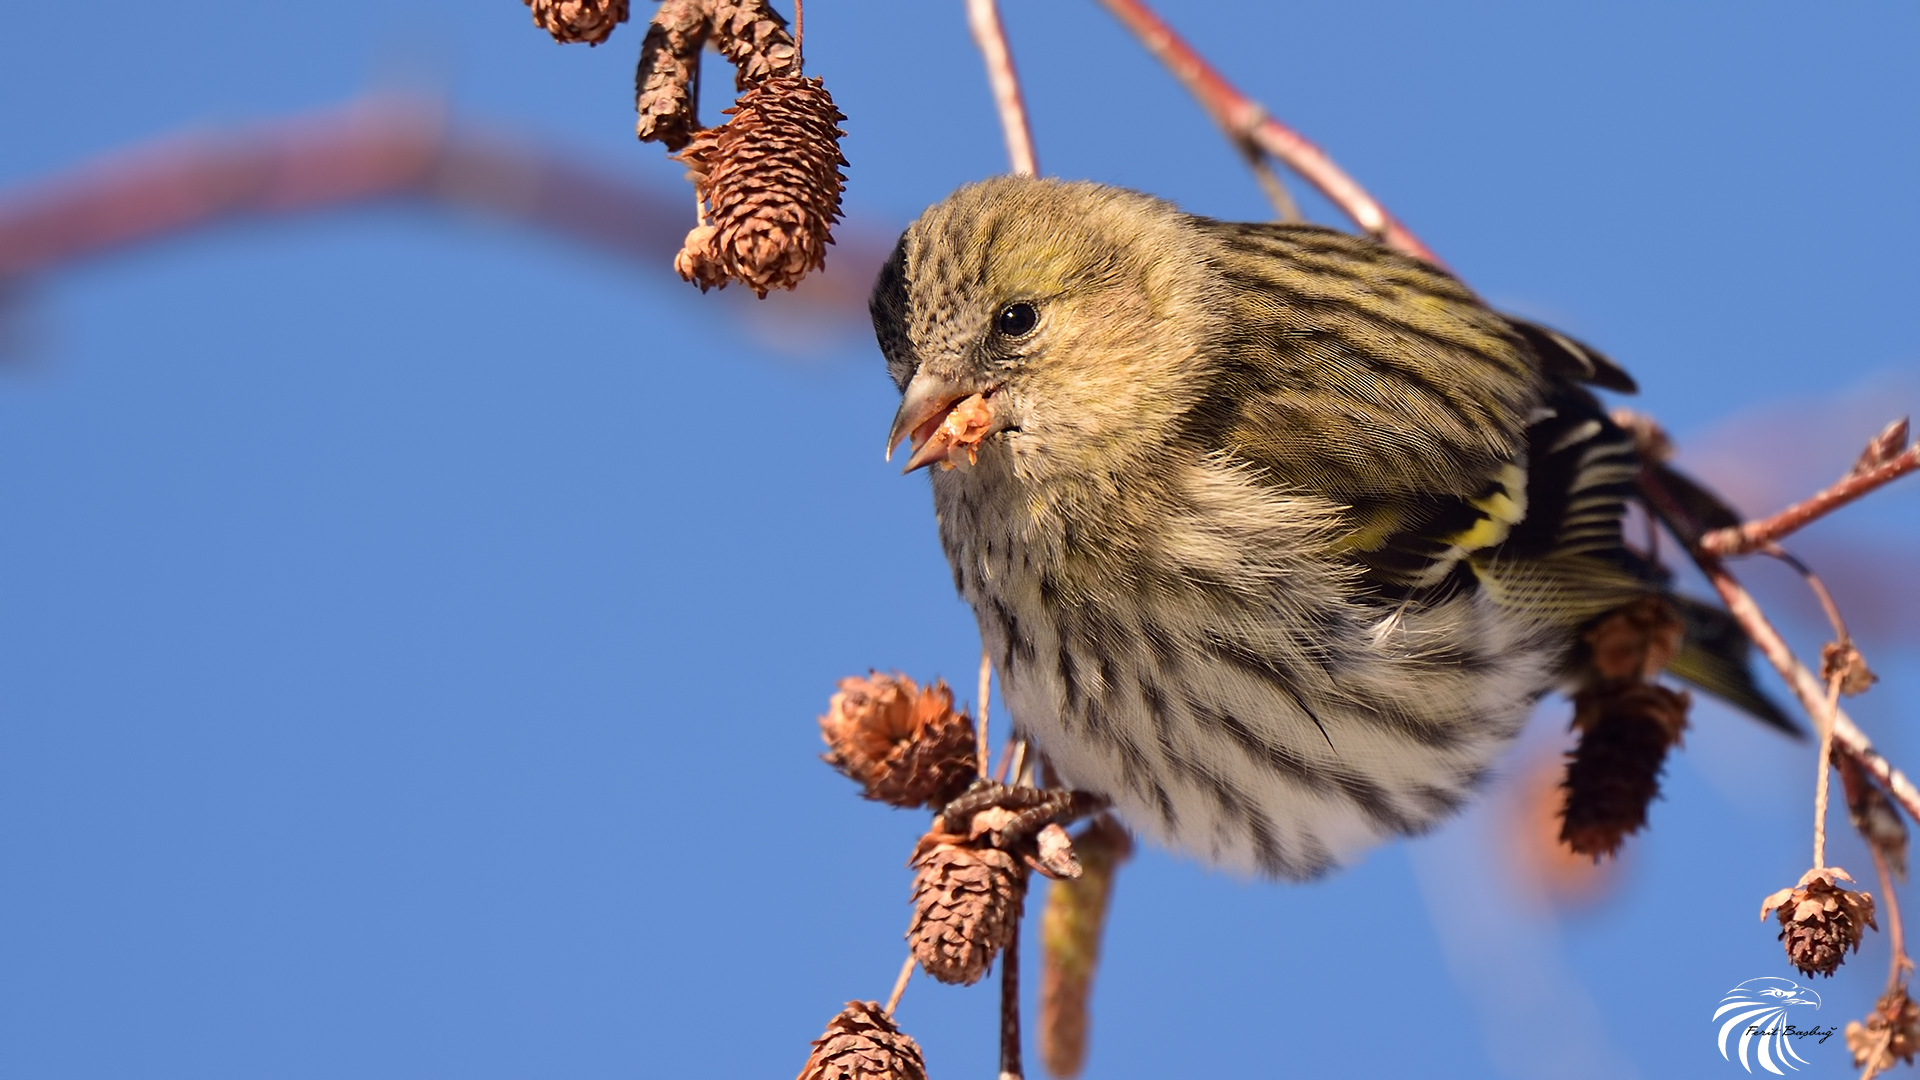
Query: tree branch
[983, 18]
[1246, 121]
[1808, 689]
[368, 151]
[1754, 535]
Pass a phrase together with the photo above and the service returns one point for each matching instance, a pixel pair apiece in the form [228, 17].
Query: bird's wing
[1355, 373]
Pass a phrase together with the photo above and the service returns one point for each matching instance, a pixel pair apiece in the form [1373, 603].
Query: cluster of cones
[1627, 723]
[907, 746]
[768, 181]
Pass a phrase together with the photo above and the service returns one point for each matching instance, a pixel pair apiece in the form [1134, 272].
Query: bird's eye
[1016, 320]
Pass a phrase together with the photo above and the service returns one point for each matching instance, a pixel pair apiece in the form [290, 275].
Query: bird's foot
[1028, 821]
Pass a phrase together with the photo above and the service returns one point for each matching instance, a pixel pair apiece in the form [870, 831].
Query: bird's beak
[928, 400]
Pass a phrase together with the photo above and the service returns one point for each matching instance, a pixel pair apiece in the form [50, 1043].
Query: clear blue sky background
[411, 627]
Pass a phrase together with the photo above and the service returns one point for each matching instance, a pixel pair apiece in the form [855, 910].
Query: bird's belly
[1254, 741]
[1208, 663]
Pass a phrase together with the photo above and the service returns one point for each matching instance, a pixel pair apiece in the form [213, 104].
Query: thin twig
[983, 18]
[1742, 539]
[986, 690]
[1818, 586]
[1810, 691]
[1890, 906]
[1245, 120]
[1284, 208]
[900, 984]
[1825, 784]
[1010, 1066]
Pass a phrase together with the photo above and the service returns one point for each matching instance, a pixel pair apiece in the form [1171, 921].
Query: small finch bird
[1274, 534]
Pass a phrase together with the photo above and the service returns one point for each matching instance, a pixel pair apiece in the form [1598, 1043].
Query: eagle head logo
[1758, 1009]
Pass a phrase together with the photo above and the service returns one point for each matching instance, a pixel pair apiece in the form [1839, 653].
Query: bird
[1274, 534]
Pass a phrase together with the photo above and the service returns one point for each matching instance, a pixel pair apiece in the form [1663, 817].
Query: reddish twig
[1755, 535]
[367, 151]
[900, 983]
[1809, 690]
[983, 18]
[1896, 931]
[1246, 121]
[986, 690]
[1824, 784]
[1814, 585]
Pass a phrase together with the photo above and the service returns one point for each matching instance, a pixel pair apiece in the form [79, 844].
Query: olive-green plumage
[1275, 534]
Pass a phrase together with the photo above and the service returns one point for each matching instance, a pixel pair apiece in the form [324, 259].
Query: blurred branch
[983, 18]
[1247, 123]
[366, 151]
[1883, 462]
[1811, 693]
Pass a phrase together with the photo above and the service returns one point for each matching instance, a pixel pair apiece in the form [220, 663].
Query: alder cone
[966, 907]
[1626, 728]
[771, 183]
[663, 83]
[1890, 1035]
[754, 37]
[573, 21]
[1820, 920]
[862, 1043]
[902, 743]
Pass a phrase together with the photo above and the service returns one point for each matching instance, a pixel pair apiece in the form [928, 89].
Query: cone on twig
[904, 744]
[770, 182]
[1635, 642]
[1841, 660]
[863, 1043]
[573, 21]
[966, 906]
[669, 61]
[1626, 728]
[1070, 933]
[1820, 919]
[1890, 1035]
[1626, 724]
[754, 37]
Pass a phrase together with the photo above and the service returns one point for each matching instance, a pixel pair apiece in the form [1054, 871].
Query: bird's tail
[1716, 657]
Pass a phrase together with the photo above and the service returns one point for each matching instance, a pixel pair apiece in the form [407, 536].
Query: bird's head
[1046, 321]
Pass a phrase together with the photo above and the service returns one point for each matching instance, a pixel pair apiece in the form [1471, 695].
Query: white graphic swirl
[1758, 1008]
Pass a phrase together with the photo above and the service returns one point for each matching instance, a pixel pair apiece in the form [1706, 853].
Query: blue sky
[412, 626]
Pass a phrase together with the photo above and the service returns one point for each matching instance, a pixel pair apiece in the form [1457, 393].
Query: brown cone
[862, 1043]
[966, 907]
[770, 181]
[571, 21]
[754, 37]
[903, 744]
[1820, 920]
[1626, 728]
[1635, 642]
[1840, 660]
[1890, 1035]
[663, 83]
